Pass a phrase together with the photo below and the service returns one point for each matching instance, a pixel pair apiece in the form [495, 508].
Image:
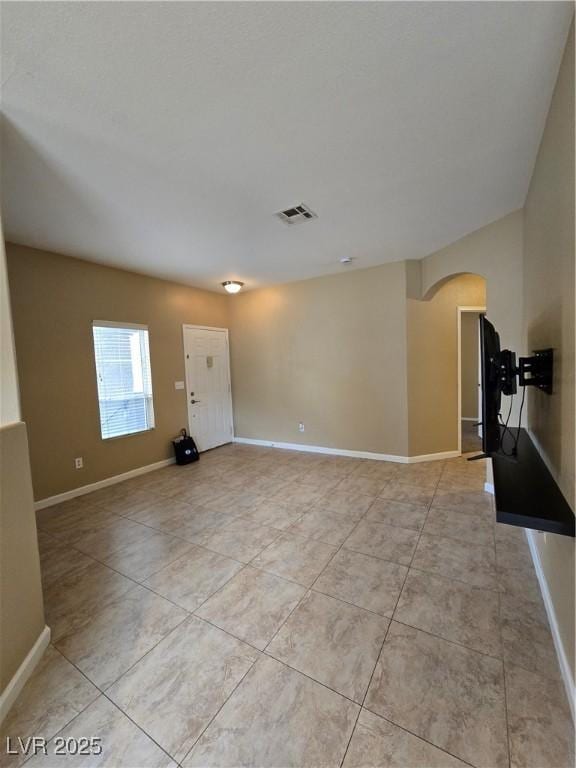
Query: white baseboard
[432, 457]
[352, 454]
[489, 488]
[565, 670]
[84, 489]
[22, 674]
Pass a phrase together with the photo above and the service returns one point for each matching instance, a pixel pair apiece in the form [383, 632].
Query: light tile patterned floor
[271, 608]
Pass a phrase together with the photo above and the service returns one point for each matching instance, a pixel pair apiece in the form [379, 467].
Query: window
[124, 380]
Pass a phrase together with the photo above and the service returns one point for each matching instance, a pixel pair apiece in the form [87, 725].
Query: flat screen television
[500, 374]
[491, 390]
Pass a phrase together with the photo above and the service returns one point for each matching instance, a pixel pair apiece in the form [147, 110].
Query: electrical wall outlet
[78, 463]
[301, 427]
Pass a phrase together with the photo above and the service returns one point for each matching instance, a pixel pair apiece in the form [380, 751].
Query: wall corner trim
[23, 673]
[565, 670]
[84, 489]
[346, 452]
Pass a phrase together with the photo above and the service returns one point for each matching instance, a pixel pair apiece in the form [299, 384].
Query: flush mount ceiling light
[232, 286]
[346, 260]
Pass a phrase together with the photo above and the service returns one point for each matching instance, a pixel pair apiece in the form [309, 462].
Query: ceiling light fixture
[346, 259]
[232, 286]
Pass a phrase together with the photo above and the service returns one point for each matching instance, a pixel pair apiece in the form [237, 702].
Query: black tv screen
[491, 391]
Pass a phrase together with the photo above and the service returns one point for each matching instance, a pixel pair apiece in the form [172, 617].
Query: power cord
[519, 420]
[505, 425]
[516, 437]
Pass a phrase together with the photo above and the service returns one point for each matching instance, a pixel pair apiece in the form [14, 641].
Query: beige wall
[54, 301]
[469, 357]
[329, 352]
[432, 337]
[549, 322]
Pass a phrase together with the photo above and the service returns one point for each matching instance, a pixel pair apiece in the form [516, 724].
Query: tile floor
[273, 608]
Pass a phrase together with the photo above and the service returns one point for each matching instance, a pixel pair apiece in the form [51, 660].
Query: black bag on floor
[185, 449]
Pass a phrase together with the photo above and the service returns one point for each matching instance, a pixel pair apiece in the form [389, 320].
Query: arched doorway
[436, 356]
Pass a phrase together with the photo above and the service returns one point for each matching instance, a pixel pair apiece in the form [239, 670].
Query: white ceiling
[162, 137]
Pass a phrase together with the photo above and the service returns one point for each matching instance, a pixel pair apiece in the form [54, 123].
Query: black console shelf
[526, 493]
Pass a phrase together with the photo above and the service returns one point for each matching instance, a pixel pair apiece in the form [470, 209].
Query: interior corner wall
[549, 251]
[330, 353]
[55, 298]
[9, 394]
[21, 604]
[432, 354]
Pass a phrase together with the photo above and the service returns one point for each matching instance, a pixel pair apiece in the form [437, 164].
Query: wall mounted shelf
[526, 493]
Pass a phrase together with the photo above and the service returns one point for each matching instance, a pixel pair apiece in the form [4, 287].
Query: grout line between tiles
[448, 640]
[98, 694]
[422, 738]
[384, 641]
[393, 614]
[504, 676]
[101, 693]
[452, 578]
[218, 711]
[402, 590]
[310, 588]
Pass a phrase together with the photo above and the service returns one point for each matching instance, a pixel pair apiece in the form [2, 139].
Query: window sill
[128, 434]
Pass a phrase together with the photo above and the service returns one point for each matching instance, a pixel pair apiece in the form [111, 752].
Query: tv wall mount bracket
[534, 371]
[537, 370]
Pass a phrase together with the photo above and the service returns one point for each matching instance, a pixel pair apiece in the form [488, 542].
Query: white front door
[208, 386]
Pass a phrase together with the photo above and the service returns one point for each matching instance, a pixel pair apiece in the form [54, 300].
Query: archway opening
[443, 370]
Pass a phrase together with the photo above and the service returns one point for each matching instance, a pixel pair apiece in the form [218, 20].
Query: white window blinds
[124, 379]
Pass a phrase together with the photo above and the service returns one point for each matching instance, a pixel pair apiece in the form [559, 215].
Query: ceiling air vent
[296, 215]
